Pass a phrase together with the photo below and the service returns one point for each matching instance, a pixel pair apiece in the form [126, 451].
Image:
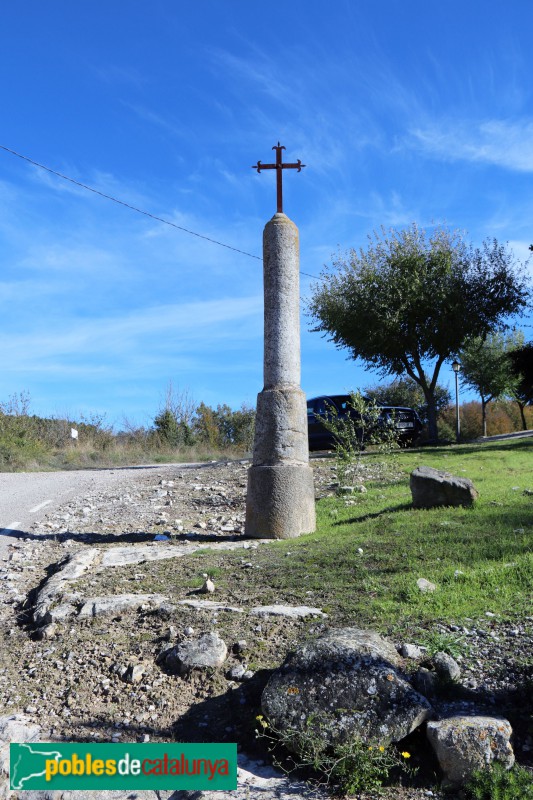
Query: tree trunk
[484, 404]
[432, 417]
[521, 406]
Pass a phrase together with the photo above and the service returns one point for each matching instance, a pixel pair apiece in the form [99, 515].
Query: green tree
[407, 392]
[522, 366]
[166, 425]
[174, 420]
[407, 303]
[223, 427]
[486, 368]
[206, 426]
[236, 427]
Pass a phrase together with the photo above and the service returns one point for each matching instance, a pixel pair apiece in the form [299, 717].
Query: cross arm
[260, 166]
[298, 166]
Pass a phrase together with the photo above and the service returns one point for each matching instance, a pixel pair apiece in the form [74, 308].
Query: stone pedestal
[280, 502]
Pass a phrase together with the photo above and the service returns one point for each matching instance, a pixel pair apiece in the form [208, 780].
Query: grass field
[481, 559]
[362, 564]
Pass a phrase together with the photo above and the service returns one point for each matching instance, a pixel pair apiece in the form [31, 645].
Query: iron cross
[279, 166]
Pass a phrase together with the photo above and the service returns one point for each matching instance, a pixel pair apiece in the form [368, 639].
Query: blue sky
[402, 112]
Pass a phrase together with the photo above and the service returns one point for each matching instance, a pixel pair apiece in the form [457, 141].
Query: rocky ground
[99, 676]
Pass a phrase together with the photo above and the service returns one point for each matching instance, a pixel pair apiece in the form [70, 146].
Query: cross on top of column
[279, 166]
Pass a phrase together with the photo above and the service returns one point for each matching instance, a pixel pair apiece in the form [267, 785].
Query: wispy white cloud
[158, 120]
[183, 329]
[294, 99]
[73, 259]
[503, 143]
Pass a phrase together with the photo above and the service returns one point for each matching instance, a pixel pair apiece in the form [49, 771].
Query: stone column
[280, 501]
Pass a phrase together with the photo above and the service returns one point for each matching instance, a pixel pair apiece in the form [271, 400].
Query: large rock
[116, 603]
[446, 667]
[464, 744]
[72, 568]
[207, 650]
[434, 487]
[346, 684]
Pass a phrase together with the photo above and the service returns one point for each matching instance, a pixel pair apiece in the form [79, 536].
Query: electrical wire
[134, 208]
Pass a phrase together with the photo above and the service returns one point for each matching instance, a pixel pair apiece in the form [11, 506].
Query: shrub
[498, 783]
[502, 417]
[355, 431]
[350, 767]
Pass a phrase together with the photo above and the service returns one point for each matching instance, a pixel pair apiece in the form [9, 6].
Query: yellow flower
[370, 747]
[381, 749]
[405, 754]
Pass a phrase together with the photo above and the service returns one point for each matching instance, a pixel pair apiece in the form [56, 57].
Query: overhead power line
[133, 208]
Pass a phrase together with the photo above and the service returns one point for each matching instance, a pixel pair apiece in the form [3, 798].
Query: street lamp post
[456, 366]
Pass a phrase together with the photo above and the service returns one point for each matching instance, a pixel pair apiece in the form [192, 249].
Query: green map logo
[167, 766]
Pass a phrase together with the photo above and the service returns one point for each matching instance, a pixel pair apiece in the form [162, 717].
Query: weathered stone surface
[281, 427]
[292, 612]
[136, 554]
[115, 603]
[412, 651]
[280, 502]
[207, 650]
[425, 586]
[134, 673]
[427, 682]
[281, 264]
[60, 612]
[72, 568]
[236, 672]
[49, 631]
[433, 487]
[446, 667]
[47, 608]
[347, 683]
[209, 605]
[464, 744]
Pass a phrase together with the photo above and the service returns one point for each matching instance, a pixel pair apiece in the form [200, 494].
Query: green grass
[480, 559]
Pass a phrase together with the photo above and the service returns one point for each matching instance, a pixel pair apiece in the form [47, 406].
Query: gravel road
[26, 496]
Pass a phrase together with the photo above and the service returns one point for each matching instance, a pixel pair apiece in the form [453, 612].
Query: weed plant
[353, 432]
[498, 783]
[347, 767]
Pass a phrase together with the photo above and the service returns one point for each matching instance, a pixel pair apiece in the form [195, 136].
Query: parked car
[406, 420]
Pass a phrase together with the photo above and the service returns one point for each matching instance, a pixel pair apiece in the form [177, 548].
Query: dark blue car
[406, 420]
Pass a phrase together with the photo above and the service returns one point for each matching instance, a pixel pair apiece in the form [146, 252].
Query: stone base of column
[280, 502]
